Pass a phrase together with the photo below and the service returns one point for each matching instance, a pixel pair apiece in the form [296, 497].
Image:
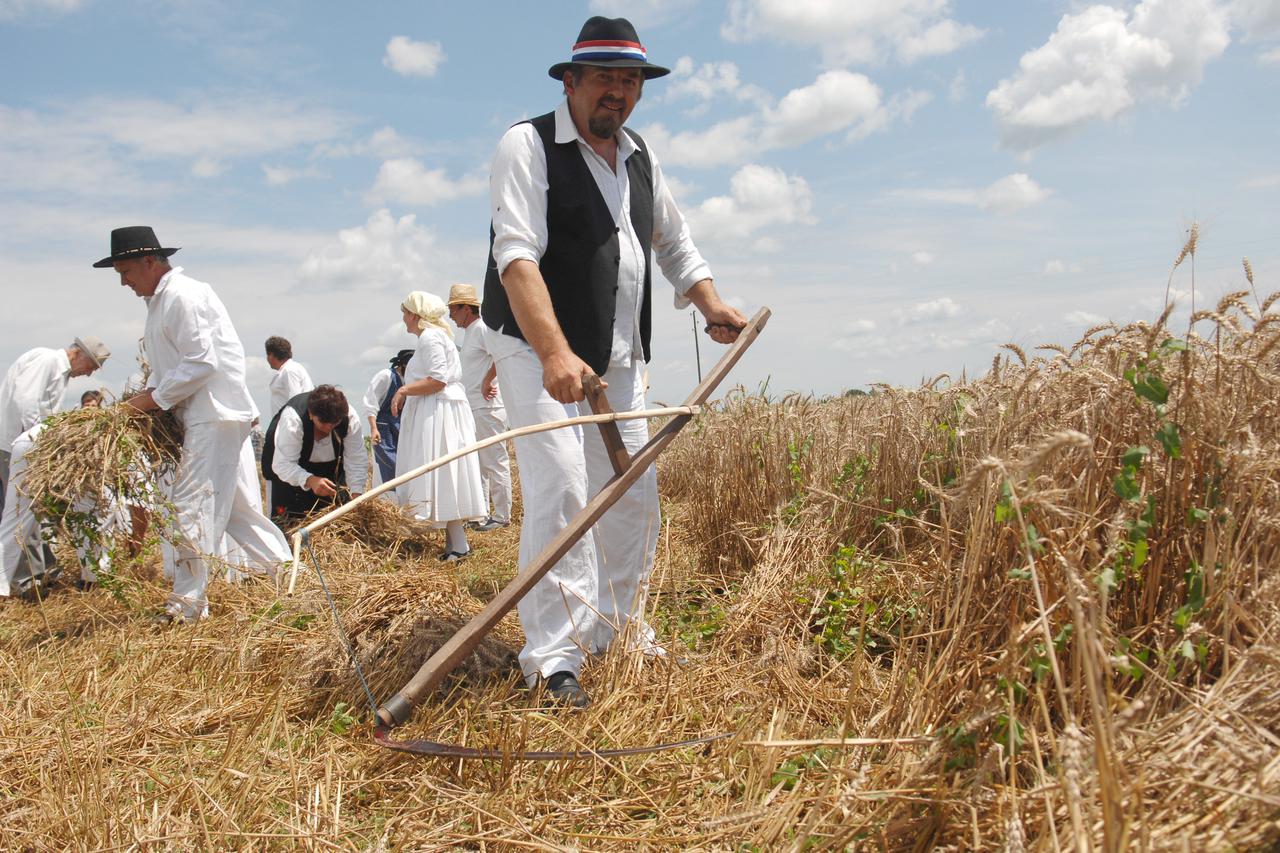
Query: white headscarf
[430, 310]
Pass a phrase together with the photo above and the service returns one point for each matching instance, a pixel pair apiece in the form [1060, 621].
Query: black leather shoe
[563, 689]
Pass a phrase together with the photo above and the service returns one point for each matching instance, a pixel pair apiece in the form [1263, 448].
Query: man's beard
[604, 125]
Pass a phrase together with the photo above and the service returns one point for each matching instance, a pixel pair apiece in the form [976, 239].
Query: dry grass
[1031, 660]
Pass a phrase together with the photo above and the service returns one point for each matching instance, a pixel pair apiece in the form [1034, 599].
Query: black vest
[580, 265]
[286, 498]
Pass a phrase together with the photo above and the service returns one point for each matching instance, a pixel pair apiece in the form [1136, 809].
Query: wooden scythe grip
[618, 456]
[399, 707]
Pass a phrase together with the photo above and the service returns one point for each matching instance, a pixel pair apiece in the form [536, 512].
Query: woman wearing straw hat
[435, 419]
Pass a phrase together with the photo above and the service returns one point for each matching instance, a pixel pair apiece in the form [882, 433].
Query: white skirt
[431, 427]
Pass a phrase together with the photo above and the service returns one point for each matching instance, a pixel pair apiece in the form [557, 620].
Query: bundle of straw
[381, 525]
[82, 455]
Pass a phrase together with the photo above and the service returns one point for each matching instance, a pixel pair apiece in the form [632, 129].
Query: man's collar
[567, 131]
[164, 279]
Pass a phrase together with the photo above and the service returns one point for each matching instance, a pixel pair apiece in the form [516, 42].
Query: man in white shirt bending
[33, 388]
[314, 454]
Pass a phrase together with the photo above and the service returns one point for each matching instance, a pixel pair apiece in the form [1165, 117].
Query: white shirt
[376, 392]
[289, 447]
[476, 362]
[518, 207]
[437, 358]
[197, 360]
[31, 391]
[290, 380]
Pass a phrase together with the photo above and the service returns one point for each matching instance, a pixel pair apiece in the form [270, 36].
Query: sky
[906, 184]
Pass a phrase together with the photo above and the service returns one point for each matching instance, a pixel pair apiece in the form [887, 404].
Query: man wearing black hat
[384, 426]
[198, 371]
[579, 206]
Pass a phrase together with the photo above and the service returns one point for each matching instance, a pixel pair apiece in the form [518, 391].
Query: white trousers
[213, 499]
[599, 586]
[18, 524]
[495, 462]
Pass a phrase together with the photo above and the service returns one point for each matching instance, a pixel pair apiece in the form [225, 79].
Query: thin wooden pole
[338, 512]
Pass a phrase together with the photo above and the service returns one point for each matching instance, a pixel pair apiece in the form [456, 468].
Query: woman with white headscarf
[435, 420]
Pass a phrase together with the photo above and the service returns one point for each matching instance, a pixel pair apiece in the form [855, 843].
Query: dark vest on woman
[580, 265]
[287, 500]
[384, 452]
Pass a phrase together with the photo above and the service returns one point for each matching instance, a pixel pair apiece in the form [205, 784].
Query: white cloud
[1270, 57]
[853, 32]
[942, 308]
[94, 146]
[413, 58]
[759, 197]
[11, 10]
[1102, 61]
[1057, 266]
[1007, 195]
[279, 176]
[958, 88]
[385, 253]
[1262, 182]
[408, 181]
[642, 13]
[384, 143]
[1084, 318]
[923, 258]
[860, 327]
[1259, 19]
[708, 81]
[836, 101]
[207, 167]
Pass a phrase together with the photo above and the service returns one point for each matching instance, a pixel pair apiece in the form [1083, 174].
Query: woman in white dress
[435, 420]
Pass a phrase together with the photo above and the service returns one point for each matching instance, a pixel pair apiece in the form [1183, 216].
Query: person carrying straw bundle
[435, 420]
[33, 387]
[198, 371]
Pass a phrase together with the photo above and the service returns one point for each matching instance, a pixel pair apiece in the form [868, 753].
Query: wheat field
[1037, 610]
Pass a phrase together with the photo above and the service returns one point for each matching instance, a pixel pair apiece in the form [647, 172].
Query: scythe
[627, 469]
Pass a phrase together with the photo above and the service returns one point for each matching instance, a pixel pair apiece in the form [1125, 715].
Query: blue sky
[908, 184]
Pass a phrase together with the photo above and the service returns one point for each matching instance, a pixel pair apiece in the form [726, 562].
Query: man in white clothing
[290, 379]
[579, 210]
[197, 370]
[33, 388]
[479, 380]
[314, 452]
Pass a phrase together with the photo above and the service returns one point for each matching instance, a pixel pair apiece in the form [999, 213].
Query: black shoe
[563, 689]
[488, 524]
[85, 586]
[454, 556]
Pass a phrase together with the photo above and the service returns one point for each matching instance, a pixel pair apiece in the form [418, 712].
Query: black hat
[401, 358]
[133, 241]
[611, 42]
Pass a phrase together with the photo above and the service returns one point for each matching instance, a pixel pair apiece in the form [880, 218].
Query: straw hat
[463, 294]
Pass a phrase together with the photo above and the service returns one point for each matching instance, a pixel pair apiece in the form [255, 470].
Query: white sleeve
[518, 197]
[355, 456]
[376, 392]
[299, 380]
[288, 448]
[188, 325]
[435, 359]
[681, 262]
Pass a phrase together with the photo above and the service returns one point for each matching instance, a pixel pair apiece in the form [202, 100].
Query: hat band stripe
[599, 50]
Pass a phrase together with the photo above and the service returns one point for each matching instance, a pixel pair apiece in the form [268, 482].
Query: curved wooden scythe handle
[399, 707]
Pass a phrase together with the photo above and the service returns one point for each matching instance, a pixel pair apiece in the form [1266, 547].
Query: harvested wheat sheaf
[1045, 604]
